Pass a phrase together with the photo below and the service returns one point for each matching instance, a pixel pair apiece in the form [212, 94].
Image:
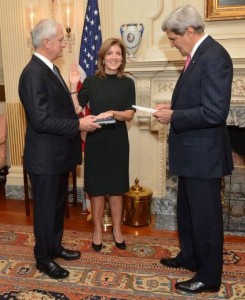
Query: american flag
[91, 38]
[90, 44]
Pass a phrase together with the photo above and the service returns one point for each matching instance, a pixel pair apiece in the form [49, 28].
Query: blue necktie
[57, 73]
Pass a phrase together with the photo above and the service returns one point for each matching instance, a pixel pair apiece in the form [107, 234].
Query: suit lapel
[60, 87]
[58, 75]
[193, 63]
[51, 74]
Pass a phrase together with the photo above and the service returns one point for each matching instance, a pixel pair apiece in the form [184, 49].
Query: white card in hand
[145, 109]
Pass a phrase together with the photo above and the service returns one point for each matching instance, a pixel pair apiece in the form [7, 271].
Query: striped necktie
[57, 73]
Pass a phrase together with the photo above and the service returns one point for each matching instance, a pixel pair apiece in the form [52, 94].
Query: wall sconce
[67, 13]
[31, 15]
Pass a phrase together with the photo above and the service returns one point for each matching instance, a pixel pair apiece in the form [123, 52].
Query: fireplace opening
[237, 137]
[234, 184]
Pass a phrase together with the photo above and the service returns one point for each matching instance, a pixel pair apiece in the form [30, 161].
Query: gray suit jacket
[52, 141]
[199, 145]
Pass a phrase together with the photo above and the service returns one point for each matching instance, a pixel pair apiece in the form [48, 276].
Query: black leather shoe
[173, 263]
[121, 246]
[68, 254]
[53, 270]
[193, 286]
[97, 247]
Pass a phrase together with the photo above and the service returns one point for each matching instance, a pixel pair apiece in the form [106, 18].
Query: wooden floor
[13, 212]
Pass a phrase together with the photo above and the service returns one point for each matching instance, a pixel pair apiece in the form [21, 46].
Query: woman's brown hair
[107, 44]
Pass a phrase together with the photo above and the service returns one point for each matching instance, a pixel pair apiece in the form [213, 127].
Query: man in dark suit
[52, 144]
[199, 148]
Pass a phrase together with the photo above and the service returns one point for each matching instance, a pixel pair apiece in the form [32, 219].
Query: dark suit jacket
[199, 144]
[52, 141]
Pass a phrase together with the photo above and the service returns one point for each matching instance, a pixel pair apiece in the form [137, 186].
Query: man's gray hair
[44, 29]
[181, 18]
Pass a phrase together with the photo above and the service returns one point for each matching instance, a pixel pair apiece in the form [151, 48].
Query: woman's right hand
[74, 75]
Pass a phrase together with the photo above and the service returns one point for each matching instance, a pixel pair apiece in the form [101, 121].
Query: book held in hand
[106, 121]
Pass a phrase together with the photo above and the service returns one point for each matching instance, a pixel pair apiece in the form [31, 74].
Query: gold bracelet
[73, 93]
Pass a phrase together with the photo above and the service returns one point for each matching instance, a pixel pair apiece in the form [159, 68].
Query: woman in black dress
[109, 93]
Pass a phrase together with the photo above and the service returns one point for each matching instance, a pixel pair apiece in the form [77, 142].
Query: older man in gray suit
[199, 147]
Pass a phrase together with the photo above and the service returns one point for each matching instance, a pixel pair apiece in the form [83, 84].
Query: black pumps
[97, 247]
[121, 246]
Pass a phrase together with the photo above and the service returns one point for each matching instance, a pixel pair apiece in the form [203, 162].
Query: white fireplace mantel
[155, 82]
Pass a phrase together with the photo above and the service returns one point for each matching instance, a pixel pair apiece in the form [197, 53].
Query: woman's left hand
[106, 114]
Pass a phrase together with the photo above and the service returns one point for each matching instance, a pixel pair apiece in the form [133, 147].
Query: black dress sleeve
[131, 94]
[83, 94]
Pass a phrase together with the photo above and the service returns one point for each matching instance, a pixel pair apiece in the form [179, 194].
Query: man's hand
[163, 106]
[163, 115]
[88, 123]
